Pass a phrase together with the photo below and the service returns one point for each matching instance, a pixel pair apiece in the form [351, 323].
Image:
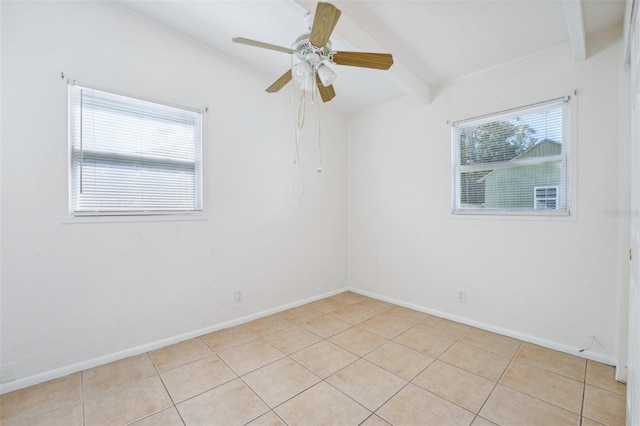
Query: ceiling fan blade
[324, 22]
[326, 93]
[281, 82]
[379, 61]
[249, 42]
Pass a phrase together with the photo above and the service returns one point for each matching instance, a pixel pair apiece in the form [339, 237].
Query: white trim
[95, 362]
[605, 359]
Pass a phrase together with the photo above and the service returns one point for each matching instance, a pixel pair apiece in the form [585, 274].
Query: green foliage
[489, 143]
[495, 141]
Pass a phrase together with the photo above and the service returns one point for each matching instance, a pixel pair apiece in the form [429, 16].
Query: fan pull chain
[319, 169]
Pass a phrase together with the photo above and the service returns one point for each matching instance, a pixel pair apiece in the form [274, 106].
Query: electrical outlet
[462, 296]
[238, 296]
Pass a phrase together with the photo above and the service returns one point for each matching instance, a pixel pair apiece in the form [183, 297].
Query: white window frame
[80, 209]
[564, 194]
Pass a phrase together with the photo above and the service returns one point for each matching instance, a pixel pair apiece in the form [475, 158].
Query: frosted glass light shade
[301, 71]
[327, 75]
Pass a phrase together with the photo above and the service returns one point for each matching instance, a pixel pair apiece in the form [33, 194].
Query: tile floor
[343, 360]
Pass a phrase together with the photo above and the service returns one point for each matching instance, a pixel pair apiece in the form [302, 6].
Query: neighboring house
[525, 187]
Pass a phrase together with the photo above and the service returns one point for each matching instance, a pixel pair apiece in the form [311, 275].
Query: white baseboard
[96, 362]
[499, 330]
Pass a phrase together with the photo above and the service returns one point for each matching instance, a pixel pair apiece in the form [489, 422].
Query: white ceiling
[432, 41]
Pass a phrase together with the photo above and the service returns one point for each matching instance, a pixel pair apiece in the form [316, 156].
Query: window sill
[563, 215]
[173, 217]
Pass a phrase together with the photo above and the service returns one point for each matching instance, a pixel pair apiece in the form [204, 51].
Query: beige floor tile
[322, 405]
[358, 341]
[540, 386]
[475, 360]
[268, 325]
[459, 386]
[451, 329]
[280, 381]
[325, 326]
[400, 360]
[375, 306]
[424, 341]
[109, 376]
[387, 326]
[300, 314]
[69, 415]
[127, 403]
[325, 305]
[292, 339]
[324, 358]
[506, 407]
[348, 298]
[196, 377]
[589, 422]
[228, 338]
[554, 388]
[230, 404]
[352, 314]
[554, 361]
[374, 420]
[179, 354]
[41, 398]
[603, 376]
[168, 417]
[409, 315]
[367, 383]
[250, 356]
[416, 406]
[268, 419]
[479, 421]
[492, 342]
[603, 406]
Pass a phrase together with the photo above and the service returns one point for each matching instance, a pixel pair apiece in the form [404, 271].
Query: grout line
[499, 378]
[584, 390]
[84, 414]
[166, 390]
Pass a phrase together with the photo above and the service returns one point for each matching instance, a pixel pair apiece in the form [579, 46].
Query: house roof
[538, 146]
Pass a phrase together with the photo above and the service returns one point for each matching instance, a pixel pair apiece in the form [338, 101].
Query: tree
[489, 143]
[495, 141]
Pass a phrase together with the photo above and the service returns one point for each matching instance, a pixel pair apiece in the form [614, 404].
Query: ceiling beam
[575, 25]
[355, 35]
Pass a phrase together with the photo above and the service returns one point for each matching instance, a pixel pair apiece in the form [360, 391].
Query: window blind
[500, 159]
[130, 156]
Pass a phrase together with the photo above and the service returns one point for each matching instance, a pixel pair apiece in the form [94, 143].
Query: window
[132, 157]
[500, 160]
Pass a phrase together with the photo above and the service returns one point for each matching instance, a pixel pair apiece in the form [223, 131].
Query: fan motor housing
[303, 48]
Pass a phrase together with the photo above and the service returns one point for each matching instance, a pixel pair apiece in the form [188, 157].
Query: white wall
[551, 281]
[74, 293]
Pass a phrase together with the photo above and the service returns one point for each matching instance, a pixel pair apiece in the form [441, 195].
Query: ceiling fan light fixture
[314, 51]
[301, 71]
[327, 75]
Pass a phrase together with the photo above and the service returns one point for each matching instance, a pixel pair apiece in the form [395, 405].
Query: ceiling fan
[313, 49]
